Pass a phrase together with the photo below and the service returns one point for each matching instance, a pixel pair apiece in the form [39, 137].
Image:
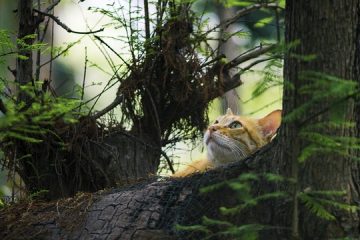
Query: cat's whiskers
[225, 149]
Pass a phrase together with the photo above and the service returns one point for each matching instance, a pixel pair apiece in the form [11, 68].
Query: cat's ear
[229, 112]
[270, 123]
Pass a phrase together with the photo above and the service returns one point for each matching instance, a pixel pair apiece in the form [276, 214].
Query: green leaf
[23, 137]
[281, 3]
[315, 207]
[263, 22]
[195, 228]
[210, 222]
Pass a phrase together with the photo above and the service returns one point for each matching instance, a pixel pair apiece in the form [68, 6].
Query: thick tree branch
[235, 81]
[148, 210]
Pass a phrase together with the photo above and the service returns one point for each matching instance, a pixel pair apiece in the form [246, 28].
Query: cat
[231, 138]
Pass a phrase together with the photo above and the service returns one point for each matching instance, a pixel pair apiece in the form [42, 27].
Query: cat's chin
[219, 155]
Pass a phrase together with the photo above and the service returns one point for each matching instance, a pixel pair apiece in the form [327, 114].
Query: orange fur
[231, 138]
[197, 166]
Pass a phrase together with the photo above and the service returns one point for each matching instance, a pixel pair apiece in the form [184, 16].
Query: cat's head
[232, 137]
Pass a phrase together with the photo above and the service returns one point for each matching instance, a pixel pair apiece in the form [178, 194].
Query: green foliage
[263, 22]
[6, 44]
[321, 88]
[38, 195]
[322, 128]
[2, 202]
[30, 123]
[272, 77]
[318, 203]
[228, 230]
[246, 199]
[324, 88]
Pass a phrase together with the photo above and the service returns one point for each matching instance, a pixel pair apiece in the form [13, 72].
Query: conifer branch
[328, 107]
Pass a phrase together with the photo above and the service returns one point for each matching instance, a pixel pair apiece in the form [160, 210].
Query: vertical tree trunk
[328, 29]
[230, 99]
[26, 27]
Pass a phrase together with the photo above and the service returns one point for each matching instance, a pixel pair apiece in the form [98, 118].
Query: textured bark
[328, 29]
[143, 211]
[26, 27]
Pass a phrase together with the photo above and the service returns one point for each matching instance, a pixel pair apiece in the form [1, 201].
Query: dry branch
[61, 24]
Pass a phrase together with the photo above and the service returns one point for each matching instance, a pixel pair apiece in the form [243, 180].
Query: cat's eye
[235, 124]
[216, 122]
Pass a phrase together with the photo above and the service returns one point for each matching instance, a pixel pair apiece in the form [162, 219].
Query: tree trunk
[330, 30]
[24, 65]
[230, 99]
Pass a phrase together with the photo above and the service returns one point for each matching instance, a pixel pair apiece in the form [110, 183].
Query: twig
[13, 71]
[247, 10]
[61, 24]
[168, 161]
[49, 8]
[84, 78]
[214, 60]
[255, 63]
[107, 109]
[104, 90]
[8, 53]
[235, 81]
[45, 30]
[250, 55]
[242, 13]
[107, 45]
[58, 55]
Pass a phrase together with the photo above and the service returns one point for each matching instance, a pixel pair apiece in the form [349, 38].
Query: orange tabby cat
[231, 138]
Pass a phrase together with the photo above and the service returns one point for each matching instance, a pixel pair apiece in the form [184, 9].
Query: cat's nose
[212, 129]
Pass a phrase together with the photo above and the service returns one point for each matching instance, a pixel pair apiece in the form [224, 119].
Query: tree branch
[242, 13]
[117, 54]
[247, 10]
[51, 7]
[110, 107]
[250, 55]
[61, 24]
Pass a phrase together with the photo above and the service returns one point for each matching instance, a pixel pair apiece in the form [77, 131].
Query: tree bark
[24, 65]
[148, 210]
[330, 30]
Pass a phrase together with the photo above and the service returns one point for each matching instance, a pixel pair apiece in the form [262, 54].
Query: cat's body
[232, 138]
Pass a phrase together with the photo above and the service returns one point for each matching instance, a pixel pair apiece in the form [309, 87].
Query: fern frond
[315, 207]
